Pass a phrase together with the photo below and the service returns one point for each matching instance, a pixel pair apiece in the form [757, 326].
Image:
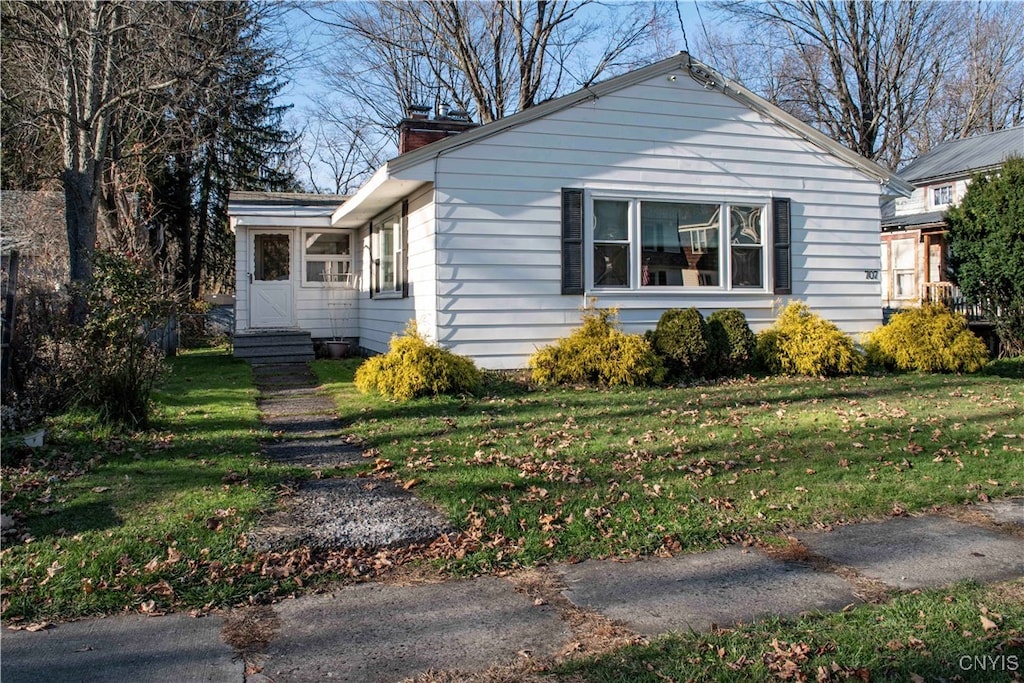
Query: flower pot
[337, 349]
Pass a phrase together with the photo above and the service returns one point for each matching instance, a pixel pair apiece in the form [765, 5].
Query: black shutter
[404, 265]
[781, 236]
[572, 241]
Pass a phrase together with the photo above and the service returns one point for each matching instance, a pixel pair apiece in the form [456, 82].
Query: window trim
[635, 259]
[306, 258]
[397, 289]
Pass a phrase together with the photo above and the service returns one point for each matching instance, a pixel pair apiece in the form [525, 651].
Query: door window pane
[272, 258]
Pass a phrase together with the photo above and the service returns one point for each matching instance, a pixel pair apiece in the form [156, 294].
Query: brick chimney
[417, 129]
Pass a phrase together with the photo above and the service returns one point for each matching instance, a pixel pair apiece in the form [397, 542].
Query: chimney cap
[442, 110]
[418, 111]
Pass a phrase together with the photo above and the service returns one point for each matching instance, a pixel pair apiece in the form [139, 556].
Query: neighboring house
[666, 187]
[915, 246]
[32, 223]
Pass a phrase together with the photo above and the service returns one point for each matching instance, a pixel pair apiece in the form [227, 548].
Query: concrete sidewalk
[380, 632]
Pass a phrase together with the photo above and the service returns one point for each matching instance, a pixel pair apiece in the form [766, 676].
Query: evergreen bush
[740, 343]
[681, 339]
[413, 367]
[803, 343]
[928, 339]
[598, 351]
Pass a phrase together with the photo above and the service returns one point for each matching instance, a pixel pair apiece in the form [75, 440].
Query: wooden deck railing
[949, 295]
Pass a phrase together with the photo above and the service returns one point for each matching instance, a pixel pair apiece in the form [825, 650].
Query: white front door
[271, 277]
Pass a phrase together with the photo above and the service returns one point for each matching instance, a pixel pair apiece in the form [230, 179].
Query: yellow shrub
[598, 352]
[413, 367]
[803, 343]
[927, 339]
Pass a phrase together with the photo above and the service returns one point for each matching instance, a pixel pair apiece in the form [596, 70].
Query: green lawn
[145, 521]
[156, 520]
[548, 475]
[967, 633]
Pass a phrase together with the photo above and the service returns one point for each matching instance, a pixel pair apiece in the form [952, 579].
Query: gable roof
[961, 158]
[387, 185]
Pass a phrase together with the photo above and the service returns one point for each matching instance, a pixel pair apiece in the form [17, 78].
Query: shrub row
[685, 346]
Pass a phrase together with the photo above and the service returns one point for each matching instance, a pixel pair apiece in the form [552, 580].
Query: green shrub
[598, 352]
[803, 343]
[929, 339]
[413, 367]
[740, 343]
[681, 338]
[115, 362]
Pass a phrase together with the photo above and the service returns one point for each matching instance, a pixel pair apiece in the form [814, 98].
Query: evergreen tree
[235, 139]
[986, 243]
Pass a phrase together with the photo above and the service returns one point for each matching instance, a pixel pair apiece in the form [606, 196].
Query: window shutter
[781, 236]
[404, 265]
[572, 241]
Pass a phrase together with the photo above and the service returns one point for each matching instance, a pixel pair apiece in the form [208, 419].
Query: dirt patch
[250, 629]
[794, 551]
[593, 633]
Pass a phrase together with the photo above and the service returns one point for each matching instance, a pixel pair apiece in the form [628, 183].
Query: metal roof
[967, 156]
[914, 220]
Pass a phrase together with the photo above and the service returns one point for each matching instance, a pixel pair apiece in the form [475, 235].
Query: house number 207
[870, 274]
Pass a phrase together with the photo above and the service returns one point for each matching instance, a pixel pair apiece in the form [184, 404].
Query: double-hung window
[327, 257]
[942, 195]
[640, 244]
[388, 257]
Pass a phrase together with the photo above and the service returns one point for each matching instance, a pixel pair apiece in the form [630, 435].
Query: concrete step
[277, 360]
[274, 347]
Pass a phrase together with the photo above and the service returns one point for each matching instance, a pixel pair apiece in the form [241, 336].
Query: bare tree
[982, 87]
[348, 148]
[82, 69]
[863, 72]
[490, 59]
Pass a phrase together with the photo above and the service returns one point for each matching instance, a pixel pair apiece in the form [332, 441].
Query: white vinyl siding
[499, 215]
[381, 317]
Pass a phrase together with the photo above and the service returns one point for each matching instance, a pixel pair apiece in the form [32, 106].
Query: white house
[914, 230]
[666, 187]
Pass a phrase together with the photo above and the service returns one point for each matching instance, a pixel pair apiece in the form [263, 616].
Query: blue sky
[308, 40]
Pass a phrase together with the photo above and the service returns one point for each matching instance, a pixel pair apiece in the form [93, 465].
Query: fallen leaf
[988, 624]
[100, 489]
[409, 484]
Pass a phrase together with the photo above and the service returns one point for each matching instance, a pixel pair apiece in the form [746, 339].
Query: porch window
[327, 257]
[639, 244]
[903, 253]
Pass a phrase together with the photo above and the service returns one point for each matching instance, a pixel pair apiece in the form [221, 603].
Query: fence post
[10, 300]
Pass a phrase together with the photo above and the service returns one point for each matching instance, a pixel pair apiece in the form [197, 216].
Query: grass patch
[966, 632]
[558, 474]
[151, 520]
